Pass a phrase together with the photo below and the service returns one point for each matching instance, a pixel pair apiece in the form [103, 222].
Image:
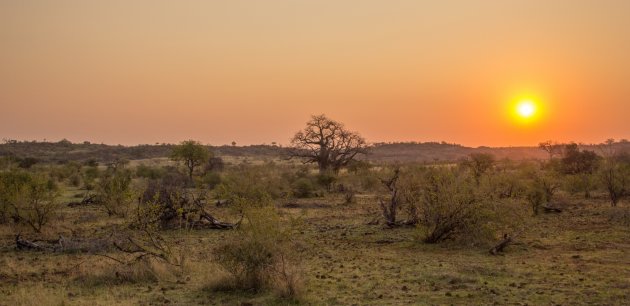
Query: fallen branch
[507, 239]
[549, 209]
[23, 244]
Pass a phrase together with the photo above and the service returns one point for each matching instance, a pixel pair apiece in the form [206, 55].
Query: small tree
[579, 165]
[192, 154]
[479, 163]
[541, 190]
[38, 202]
[327, 143]
[32, 198]
[114, 192]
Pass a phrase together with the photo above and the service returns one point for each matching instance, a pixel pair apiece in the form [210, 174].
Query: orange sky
[254, 71]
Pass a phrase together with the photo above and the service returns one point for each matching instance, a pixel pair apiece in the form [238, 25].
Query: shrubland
[266, 231]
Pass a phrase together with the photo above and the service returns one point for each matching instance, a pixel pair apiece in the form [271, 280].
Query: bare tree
[327, 143]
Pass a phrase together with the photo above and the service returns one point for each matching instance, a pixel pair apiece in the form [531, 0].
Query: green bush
[114, 192]
[542, 187]
[253, 185]
[149, 172]
[303, 188]
[28, 198]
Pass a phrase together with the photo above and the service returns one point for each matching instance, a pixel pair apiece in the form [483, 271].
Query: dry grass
[576, 257]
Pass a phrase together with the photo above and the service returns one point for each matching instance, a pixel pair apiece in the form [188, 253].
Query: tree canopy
[192, 154]
[327, 143]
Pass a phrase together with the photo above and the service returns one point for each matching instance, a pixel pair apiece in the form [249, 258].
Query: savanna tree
[479, 163]
[327, 143]
[192, 154]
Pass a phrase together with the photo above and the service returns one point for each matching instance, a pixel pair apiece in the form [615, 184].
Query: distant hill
[64, 151]
[436, 151]
[442, 151]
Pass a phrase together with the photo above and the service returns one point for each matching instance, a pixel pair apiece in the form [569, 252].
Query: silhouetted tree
[327, 143]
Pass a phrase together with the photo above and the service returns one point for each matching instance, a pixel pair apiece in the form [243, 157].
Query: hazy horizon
[138, 72]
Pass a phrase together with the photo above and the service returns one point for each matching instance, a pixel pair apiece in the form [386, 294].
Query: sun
[526, 108]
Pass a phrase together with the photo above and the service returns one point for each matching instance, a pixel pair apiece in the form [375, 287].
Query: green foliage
[28, 198]
[211, 179]
[192, 154]
[254, 185]
[114, 192]
[11, 184]
[303, 187]
[504, 185]
[583, 183]
[542, 187]
[149, 172]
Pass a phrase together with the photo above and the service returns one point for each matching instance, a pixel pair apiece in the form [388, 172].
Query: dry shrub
[261, 255]
[452, 207]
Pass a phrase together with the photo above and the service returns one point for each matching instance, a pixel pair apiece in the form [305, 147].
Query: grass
[576, 257]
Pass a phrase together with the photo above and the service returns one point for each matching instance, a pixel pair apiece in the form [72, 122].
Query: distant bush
[211, 179]
[303, 188]
[253, 185]
[504, 185]
[261, 256]
[542, 187]
[149, 172]
[114, 192]
[27, 162]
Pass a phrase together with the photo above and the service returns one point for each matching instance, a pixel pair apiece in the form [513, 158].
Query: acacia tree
[327, 143]
[192, 154]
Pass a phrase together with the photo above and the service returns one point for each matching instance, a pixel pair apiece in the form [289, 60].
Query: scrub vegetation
[318, 223]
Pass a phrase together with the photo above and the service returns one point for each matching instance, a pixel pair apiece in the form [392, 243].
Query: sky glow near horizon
[253, 72]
